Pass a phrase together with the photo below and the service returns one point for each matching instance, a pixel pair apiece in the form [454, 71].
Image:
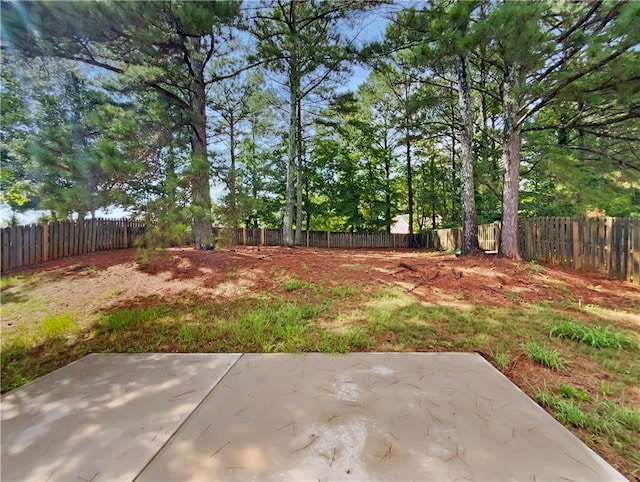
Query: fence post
[608, 224]
[307, 238]
[261, 236]
[244, 236]
[576, 244]
[45, 242]
[328, 239]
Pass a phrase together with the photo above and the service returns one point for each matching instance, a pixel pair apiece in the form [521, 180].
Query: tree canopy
[192, 113]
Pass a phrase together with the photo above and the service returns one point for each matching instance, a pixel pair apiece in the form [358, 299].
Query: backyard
[568, 339]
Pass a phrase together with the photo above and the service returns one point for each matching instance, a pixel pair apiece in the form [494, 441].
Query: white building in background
[401, 224]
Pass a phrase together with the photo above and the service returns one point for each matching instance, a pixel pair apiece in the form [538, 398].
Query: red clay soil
[118, 278]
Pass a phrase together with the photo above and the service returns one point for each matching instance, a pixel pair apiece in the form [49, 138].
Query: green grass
[52, 328]
[127, 318]
[502, 359]
[543, 356]
[345, 291]
[534, 267]
[572, 392]
[617, 423]
[59, 326]
[512, 295]
[562, 288]
[8, 281]
[294, 284]
[595, 336]
[570, 413]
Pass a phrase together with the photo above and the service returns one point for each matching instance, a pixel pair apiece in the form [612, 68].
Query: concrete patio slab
[372, 416]
[361, 416]
[103, 417]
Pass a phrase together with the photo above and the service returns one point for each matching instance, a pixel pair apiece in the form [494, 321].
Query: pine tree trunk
[287, 229]
[511, 159]
[454, 195]
[387, 182]
[233, 197]
[409, 180]
[299, 177]
[200, 189]
[469, 226]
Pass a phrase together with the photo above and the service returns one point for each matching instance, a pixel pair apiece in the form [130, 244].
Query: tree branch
[561, 85]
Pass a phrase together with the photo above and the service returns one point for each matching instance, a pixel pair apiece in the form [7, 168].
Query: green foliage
[572, 392]
[59, 326]
[605, 418]
[534, 267]
[542, 355]
[568, 412]
[595, 336]
[226, 238]
[293, 285]
[128, 318]
[8, 281]
[502, 359]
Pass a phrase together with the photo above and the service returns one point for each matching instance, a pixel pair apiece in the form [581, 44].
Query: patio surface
[360, 416]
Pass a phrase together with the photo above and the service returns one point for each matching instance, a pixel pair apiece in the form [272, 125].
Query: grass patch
[543, 356]
[561, 288]
[534, 267]
[595, 336]
[59, 326]
[618, 424]
[512, 295]
[569, 391]
[345, 291]
[24, 337]
[114, 293]
[502, 359]
[293, 285]
[123, 319]
[8, 281]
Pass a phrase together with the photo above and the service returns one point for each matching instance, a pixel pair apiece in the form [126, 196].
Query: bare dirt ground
[116, 278]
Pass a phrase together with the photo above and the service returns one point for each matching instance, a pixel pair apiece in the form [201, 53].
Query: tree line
[471, 112]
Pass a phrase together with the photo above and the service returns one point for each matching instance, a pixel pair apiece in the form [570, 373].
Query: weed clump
[543, 356]
[596, 336]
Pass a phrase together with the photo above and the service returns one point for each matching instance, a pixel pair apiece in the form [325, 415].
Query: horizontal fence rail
[36, 243]
[609, 246]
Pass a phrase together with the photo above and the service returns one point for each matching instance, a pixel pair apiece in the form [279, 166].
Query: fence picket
[33, 244]
[4, 266]
[635, 233]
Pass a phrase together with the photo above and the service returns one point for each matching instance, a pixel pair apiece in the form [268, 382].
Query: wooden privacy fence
[609, 246]
[35, 243]
[329, 239]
